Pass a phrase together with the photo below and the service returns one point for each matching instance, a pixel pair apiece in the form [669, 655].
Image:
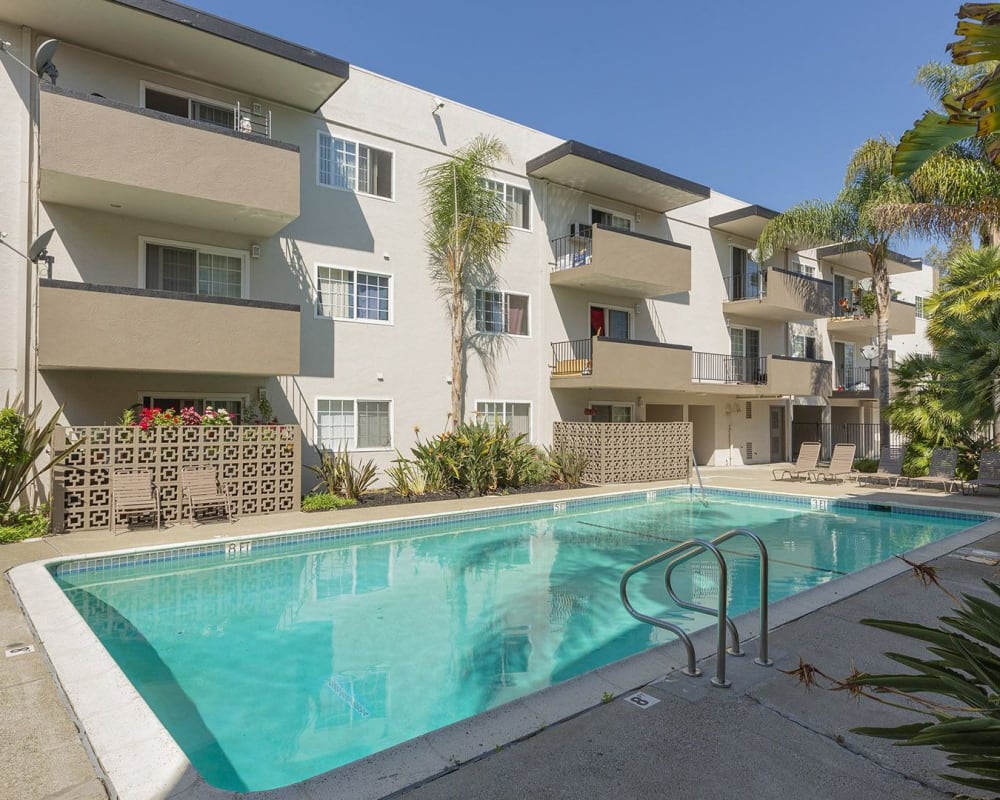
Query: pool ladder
[679, 554]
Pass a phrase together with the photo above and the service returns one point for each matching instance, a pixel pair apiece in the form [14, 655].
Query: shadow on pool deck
[764, 737]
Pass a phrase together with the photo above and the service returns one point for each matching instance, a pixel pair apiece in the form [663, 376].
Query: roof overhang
[854, 257]
[185, 41]
[598, 172]
[746, 223]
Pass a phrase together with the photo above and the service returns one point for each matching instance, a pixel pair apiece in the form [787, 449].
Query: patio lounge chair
[133, 493]
[989, 473]
[943, 464]
[890, 467]
[841, 465]
[200, 488]
[805, 463]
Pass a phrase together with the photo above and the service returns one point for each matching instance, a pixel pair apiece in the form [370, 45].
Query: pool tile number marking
[18, 649]
[238, 549]
[641, 700]
[819, 504]
[651, 496]
[559, 508]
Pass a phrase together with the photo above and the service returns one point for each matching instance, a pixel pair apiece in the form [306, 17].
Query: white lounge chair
[806, 462]
[890, 467]
[841, 465]
[944, 462]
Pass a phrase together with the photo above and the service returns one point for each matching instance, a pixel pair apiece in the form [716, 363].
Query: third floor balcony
[777, 294]
[620, 262]
[112, 157]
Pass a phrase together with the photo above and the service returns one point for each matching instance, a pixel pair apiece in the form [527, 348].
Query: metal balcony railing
[575, 250]
[574, 357]
[719, 368]
[853, 379]
[253, 119]
[747, 287]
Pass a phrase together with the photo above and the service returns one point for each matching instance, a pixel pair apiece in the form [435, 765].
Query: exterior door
[777, 433]
[614, 323]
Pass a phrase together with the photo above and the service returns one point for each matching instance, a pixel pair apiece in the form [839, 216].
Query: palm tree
[848, 220]
[466, 236]
[968, 111]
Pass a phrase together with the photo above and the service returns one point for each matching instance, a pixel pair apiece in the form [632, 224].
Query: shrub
[324, 501]
[866, 464]
[406, 478]
[339, 475]
[567, 466]
[479, 458]
[24, 525]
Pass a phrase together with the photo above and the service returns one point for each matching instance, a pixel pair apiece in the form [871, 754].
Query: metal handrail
[692, 666]
[697, 472]
[762, 657]
[681, 553]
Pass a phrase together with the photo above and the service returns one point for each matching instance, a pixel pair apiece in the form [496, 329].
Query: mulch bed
[390, 498]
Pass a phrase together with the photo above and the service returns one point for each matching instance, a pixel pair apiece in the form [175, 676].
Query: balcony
[620, 262]
[852, 326]
[87, 327]
[777, 294]
[602, 363]
[108, 156]
[855, 382]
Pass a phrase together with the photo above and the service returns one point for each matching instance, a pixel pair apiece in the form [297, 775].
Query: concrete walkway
[764, 737]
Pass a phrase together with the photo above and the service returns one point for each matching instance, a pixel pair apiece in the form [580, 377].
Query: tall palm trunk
[457, 308]
[883, 296]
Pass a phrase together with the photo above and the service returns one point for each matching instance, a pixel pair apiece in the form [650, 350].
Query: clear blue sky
[761, 100]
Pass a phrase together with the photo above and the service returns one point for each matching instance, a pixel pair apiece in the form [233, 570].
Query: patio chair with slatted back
[989, 473]
[944, 462]
[806, 462]
[841, 465]
[133, 493]
[890, 467]
[200, 488]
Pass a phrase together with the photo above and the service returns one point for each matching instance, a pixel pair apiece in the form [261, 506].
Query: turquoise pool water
[271, 665]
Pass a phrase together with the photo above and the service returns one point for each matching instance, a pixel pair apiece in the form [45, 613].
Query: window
[344, 164]
[517, 416]
[804, 346]
[809, 270]
[180, 105]
[501, 312]
[609, 412]
[611, 219]
[353, 424]
[234, 405]
[843, 295]
[350, 294]
[745, 275]
[193, 269]
[517, 200]
[919, 301]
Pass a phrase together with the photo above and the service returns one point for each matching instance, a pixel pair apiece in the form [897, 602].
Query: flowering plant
[147, 418]
[157, 417]
[216, 417]
[190, 417]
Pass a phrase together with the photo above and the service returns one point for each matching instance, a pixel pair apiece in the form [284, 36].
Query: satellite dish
[869, 351]
[43, 59]
[38, 246]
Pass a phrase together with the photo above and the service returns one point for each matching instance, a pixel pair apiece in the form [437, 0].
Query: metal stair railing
[694, 466]
[685, 551]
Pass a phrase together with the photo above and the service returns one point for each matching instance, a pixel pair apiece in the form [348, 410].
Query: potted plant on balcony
[868, 302]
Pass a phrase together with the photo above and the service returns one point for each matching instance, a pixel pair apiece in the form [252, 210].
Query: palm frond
[805, 225]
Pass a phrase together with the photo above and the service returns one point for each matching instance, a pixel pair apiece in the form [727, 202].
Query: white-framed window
[232, 403]
[353, 424]
[353, 294]
[517, 200]
[516, 416]
[346, 164]
[501, 312]
[185, 105]
[918, 302]
[611, 412]
[804, 346]
[611, 219]
[192, 268]
[804, 268]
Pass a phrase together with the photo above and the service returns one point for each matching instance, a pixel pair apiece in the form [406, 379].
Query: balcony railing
[853, 379]
[576, 250]
[719, 368]
[574, 357]
[254, 120]
[746, 287]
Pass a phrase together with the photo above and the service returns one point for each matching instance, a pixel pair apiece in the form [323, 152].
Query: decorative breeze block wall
[262, 462]
[625, 452]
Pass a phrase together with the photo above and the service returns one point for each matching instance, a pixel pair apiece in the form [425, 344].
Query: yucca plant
[340, 475]
[567, 465]
[22, 442]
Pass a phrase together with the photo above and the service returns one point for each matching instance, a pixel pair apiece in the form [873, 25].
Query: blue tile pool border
[239, 546]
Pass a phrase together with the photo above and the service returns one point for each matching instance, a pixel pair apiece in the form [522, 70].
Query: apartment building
[236, 217]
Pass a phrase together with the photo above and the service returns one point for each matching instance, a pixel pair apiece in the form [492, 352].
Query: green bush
[324, 501]
[567, 466]
[406, 477]
[917, 459]
[340, 475]
[866, 464]
[24, 525]
[480, 458]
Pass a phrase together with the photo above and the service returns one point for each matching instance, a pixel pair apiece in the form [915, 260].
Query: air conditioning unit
[581, 229]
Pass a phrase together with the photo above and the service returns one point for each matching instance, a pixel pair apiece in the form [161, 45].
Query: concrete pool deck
[770, 736]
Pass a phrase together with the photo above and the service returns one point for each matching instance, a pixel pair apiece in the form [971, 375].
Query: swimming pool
[273, 660]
